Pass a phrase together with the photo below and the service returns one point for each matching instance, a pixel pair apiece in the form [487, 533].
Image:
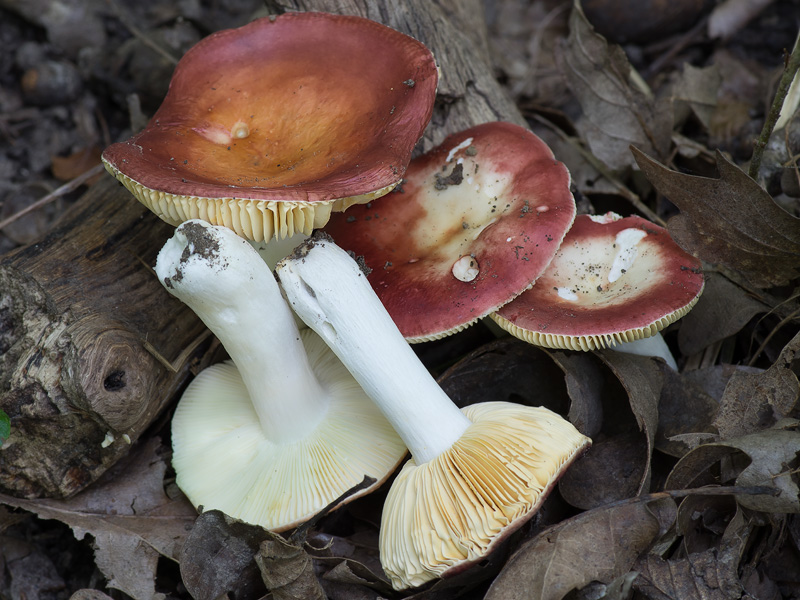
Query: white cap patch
[626, 242]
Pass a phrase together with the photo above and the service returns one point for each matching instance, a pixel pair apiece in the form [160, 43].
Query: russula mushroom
[614, 280]
[268, 127]
[282, 430]
[475, 475]
[477, 221]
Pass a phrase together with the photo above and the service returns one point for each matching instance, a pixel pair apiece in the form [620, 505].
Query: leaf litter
[674, 141]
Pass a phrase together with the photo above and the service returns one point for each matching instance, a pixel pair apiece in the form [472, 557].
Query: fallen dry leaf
[67, 168]
[696, 90]
[131, 519]
[31, 572]
[756, 401]
[730, 220]
[759, 459]
[707, 575]
[507, 369]
[612, 469]
[597, 545]
[89, 594]
[584, 378]
[709, 572]
[218, 557]
[703, 520]
[722, 311]
[714, 380]
[288, 570]
[615, 113]
[684, 407]
[642, 379]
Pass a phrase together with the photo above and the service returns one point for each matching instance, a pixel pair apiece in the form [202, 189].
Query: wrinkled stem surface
[225, 282]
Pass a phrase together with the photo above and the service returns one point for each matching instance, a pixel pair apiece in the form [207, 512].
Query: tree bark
[83, 321]
[455, 31]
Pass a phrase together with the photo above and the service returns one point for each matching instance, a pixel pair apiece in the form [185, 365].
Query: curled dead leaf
[754, 401]
[642, 379]
[730, 220]
[615, 112]
[722, 311]
[611, 470]
[131, 519]
[767, 458]
[218, 558]
[684, 408]
[288, 570]
[575, 552]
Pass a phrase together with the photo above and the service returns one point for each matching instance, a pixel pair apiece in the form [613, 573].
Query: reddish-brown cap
[268, 127]
[613, 280]
[478, 219]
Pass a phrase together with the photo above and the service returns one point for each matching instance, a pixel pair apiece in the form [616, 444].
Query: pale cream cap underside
[223, 460]
[256, 220]
[453, 509]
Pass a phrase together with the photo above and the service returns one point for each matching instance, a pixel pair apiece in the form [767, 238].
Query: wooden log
[455, 31]
[86, 335]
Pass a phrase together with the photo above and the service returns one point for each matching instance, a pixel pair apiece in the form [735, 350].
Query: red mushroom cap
[280, 117]
[613, 280]
[478, 220]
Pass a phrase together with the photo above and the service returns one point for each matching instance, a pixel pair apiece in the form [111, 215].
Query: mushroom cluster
[265, 130]
[485, 225]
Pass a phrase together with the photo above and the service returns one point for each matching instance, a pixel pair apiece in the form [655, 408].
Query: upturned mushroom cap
[224, 461]
[478, 219]
[444, 515]
[613, 280]
[268, 127]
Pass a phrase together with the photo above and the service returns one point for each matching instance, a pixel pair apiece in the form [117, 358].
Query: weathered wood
[78, 311]
[455, 31]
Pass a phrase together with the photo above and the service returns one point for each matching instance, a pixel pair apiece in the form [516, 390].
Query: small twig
[711, 490]
[182, 357]
[591, 159]
[680, 44]
[788, 319]
[760, 145]
[57, 193]
[145, 39]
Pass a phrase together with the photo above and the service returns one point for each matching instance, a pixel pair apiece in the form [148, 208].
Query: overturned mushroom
[281, 430]
[268, 127]
[477, 221]
[476, 475]
[613, 281]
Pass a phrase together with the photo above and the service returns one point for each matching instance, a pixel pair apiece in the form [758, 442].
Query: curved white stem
[331, 294]
[227, 284]
[650, 346]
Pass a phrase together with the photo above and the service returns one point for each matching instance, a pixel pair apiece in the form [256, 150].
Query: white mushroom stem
[218, 275]
[649, 346]
[328, 290]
